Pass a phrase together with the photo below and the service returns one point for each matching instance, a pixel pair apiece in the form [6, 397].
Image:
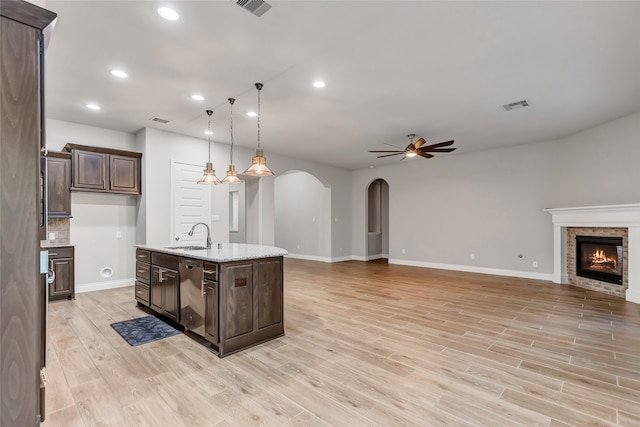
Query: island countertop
[224, 252]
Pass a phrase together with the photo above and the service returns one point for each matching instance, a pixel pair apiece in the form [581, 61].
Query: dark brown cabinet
[105, 170]
[250, 303]
[23, 223]
[62, 265]
[165, 283]
[211, 303]
[143, 277]
[58, 184]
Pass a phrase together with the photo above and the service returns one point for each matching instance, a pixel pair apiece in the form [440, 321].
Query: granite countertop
[223, 252]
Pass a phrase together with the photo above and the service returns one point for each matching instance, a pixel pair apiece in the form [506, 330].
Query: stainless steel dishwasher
[192, 295]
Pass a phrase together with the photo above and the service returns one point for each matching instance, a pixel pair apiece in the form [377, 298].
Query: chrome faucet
[190, 233]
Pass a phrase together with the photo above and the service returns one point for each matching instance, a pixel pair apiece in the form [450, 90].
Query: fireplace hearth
[600, 258]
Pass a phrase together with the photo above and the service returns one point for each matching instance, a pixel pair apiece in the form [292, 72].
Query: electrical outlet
[473, 256]
[118, 234]
[535, 264]
[404, 251]
[52, 236]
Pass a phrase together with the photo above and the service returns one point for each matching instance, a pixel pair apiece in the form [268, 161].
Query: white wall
[490, 203]
[303, 216]
[97, 217]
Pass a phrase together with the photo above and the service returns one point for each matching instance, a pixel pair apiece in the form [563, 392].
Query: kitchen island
[230, 295]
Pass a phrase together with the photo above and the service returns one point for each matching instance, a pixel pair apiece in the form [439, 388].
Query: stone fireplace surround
[612, 216]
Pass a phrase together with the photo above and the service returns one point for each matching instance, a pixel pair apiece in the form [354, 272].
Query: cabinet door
[269, 292]
[62, 286]
[211, 313]
[58, 185]
[236, 300]
[124, 174]
[170, 294]
[157, 279]
[89, 170]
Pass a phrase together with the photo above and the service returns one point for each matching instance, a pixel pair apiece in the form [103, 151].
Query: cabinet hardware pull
[160, 279]
[142, 271]
[53, 253]
[202, 288]
[210, 272]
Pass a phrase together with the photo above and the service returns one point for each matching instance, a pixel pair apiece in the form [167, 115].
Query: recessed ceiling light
[197, 97]
[208, 132]
[168, 14]
[319, 84]
[119, 73]
[93, 106]
[252, 114]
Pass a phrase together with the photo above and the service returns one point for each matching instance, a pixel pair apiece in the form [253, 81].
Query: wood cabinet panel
[58, 185]
[142, 291]
[156, 288]
[124, 174]
[211, 313]
[164, 291]
[89, 170]
[61, 261]
[236, 300]
[269, 293]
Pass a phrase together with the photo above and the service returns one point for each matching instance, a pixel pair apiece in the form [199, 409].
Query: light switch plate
[52, 236]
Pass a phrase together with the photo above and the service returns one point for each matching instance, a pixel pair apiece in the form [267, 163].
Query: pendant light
[209, 176]
[259, 162]
[232, 177]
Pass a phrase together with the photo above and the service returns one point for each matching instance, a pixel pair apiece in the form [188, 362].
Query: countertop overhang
[224, 252]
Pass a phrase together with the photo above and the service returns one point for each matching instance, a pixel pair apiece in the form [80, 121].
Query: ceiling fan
[418, 149]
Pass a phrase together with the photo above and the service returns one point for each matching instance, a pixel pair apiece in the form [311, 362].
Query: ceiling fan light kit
[418, 149]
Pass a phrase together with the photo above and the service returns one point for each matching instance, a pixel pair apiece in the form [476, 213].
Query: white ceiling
[440, 70]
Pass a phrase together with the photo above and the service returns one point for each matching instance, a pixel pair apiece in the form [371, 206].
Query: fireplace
[600, 258]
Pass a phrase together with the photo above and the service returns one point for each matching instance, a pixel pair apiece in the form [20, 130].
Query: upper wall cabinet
[58, 184]
[105, 170]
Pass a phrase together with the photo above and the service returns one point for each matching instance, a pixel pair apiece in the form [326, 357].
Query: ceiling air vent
[257, 7]
[515, 105]
[159, 120]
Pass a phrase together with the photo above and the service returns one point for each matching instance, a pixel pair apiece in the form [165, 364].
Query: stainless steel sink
[186, 248]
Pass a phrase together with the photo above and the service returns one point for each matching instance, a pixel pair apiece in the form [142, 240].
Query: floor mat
[142, 330]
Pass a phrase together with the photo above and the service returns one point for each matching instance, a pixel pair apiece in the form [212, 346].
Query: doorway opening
[378, 220]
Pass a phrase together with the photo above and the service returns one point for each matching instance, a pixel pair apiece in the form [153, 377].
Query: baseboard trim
[309, 257]
[473, 269]
[101, 286]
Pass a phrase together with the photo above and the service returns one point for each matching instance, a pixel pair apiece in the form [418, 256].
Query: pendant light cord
[231, 101]
[209, 112]
[259, 87]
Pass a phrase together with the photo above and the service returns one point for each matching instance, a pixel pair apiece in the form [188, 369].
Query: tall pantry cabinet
[22, 211]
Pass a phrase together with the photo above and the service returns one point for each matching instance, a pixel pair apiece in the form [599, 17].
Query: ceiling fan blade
[440, 144]
[436, 150]
[419, 143]
[386, 151]
[387, 155]
[425, 155]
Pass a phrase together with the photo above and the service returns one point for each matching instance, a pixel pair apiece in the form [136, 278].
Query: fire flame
[599, 257]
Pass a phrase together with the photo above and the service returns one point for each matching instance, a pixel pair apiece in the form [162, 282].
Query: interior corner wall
[98, 217]
[303, 216]
[490, 203]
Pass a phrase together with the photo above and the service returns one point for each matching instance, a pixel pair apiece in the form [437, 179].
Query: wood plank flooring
[367, 344]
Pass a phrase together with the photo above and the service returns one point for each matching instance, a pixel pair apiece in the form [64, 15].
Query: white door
[191, 204]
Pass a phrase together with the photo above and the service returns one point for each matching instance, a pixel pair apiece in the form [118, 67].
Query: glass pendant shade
[259, 165]
[209, 176]
[232, 177]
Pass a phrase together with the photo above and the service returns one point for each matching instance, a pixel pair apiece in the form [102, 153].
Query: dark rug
[143, 330]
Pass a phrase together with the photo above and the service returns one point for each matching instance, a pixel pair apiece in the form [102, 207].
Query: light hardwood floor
[366, 344]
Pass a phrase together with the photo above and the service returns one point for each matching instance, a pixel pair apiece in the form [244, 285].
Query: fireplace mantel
[627, 216]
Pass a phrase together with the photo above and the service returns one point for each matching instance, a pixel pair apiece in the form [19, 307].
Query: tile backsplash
[62, 229]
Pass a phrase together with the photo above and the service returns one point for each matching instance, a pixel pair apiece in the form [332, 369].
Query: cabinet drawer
[142, 293]
[165, 260]
[210, 272]
[55, 253]
[143, 272]
[142, 255]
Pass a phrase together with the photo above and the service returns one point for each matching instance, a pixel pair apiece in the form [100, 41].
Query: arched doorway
[377, 220]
